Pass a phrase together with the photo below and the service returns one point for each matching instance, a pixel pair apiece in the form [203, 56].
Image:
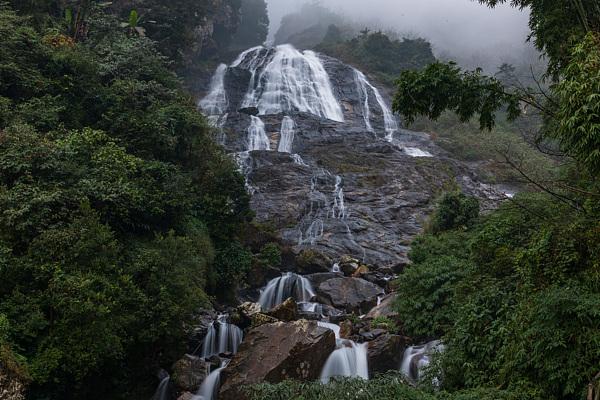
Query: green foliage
[383, 322]
[517, 305]
[578, 116]
[377, 53]
[454, 211]
[382, 387]
[112, 198]
[441, 87]
[270, 255]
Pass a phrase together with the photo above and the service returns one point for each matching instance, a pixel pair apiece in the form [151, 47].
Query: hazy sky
[460, 26]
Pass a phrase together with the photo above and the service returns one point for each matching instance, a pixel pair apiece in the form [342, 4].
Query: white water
[417, 358]
[348, 360]
[389, 121]
[298, 160]
[313, 233]
[286, 139]
[162, 392]
[257, 137]
[209, 388]
[221, 338]
[315, 308]
[335, 328]
[288, 80]
[287, 285]
[335, 267]
[215, 103]
[339, 206]
[416, 152]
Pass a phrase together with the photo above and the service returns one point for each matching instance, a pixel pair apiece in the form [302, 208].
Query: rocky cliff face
[325, 159]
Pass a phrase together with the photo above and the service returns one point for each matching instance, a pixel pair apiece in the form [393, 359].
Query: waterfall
[389, 121]
[417, 358]
[361, 86]
[335, 267]
[162, 392]
[225, 339]
[215, 103]
[287, 285]
[349, 360]
[257, 137]
[308, 307]
[313, 233]
[288, 81]
[209, 388]
[286, 139]
[339, 207]
[298, 160]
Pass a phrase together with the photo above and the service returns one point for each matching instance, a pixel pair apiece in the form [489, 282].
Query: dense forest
[122, 217]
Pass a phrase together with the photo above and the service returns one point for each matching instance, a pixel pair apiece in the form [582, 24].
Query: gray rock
[188, 373]
[385, 308]
[354, 295]
[385, 353]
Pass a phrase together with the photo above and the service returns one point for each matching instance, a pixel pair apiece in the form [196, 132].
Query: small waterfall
[287, 285]
[162, 392]
[308, 307]
[339, 207]
[215, 103]
[417, 358]
[222, 337]
[348, 360]
[288, 81]
[209, 388]
[389, 121]
[287, 135]
[335, 268]
[361, 86]
[257, 137]
[313, 233]
[298, 160]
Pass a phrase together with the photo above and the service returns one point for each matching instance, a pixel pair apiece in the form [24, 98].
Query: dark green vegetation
[377, 53]
[254, 26]
[119, 217]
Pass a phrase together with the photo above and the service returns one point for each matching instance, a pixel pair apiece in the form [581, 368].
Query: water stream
[222, 337]
[287, 285]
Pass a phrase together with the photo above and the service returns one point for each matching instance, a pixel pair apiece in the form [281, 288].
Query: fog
[458, 29]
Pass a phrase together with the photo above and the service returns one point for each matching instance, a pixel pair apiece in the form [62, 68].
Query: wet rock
[360, 271]
[369, 335]
[317, 279]
[249, 111]
[188, 373]
[385, 353]
[260, 275]
[202, 322]
[346, 329]
[311, 262]
[244, 313]
[286, 311]
[354, 295]
[186, 396]
[385, 308]
[262, 319]
[276, 352]
[348, 265]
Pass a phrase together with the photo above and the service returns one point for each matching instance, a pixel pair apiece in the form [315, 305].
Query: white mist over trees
[458, 29]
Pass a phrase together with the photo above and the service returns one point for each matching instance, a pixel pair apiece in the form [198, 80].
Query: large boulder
[310, 262]
[385, 353]
[355, 295]
[286, 311]
[189, 372]
[276, 352]
[385, 308]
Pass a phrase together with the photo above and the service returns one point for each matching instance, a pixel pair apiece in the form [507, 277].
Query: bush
[454, 210]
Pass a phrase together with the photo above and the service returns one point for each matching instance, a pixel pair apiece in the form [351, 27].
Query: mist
[462, 30]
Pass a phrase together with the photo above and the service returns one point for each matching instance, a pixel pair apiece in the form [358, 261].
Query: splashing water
[222, 337]
[389, 121]
[416, 152]
[335, 328]
[215, 103]
[348, 360]
[417, 358]
[287, 135]
[257, 137]
[288, 81]
[287, 285]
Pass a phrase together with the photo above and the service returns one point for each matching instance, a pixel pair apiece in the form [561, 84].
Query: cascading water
[209, 388]
[416, 152]
[339, 206]
[288, 80]
[417, 358]
[287, 285]
[215, 103]
[222, 337]
[390, 123]
[286, 139]
[257, 137]
[348, 360]
[162, 392]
